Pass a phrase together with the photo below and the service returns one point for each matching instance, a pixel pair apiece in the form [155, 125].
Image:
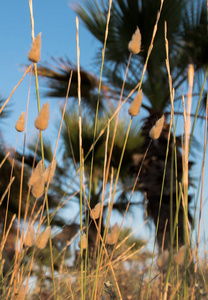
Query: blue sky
[56, 20]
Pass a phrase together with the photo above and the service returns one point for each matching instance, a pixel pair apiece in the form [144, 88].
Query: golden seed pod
[84, 241]
[38, 188]
[49, 172]
[29, 237]
[156, 130]
[43, 237]
[163, 260]
[135, 43]
[36, 173]
[95, 212]
[41, 122]
[19, 126]
[113, 235]
[136, 104]
[179, 257]
[34, 53]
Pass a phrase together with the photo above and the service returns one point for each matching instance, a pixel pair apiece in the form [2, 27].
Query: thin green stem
[159, 208]
[47, 205]
[80, 154]
[197, 109]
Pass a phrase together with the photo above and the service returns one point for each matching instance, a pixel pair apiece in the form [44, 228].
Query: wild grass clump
[108, 261]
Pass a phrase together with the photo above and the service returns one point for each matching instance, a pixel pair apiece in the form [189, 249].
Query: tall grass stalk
[174, 150]
[127, 207]
[198, 106]
[80, 154]
[95, 125]
[187, 125]
[202, 190]
[19, 247]
[103, 246]
[159, 208]
[42, 148]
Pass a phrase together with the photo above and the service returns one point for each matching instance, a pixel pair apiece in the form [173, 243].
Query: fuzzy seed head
[135, 43]
[36, 173]
[179, 257]
[84, 242]
[136, 104]
[113, 235]
[19, 126]
[156, 130]
[41, 122]
[34, 53]
[38, 188]
[95, 212]
[42, 239]
[29, 237]
[163, 259]
[49, 172]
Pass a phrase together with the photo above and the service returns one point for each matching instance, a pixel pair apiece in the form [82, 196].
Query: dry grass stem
[41, 122]
[34, 53]
[19, 126]
[43, 237]
[136, 104]
[135, 43]
[7, 189]
[4, 159]
[4, 239]
[156, 130]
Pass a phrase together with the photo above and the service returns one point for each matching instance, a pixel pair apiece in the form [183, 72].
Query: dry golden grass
[116, 270]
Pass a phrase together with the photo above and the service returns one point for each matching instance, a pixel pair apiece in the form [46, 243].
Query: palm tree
[70, 150]
[186, 27]
[183, 27]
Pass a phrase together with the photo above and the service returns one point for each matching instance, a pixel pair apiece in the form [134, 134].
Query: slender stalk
[80, 154]
[113, 195]
[95, 126]
[160, 203]
[202, 187]
[42, 147]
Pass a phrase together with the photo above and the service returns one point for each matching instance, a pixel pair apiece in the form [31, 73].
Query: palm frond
[58, 75]
[195, 36]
